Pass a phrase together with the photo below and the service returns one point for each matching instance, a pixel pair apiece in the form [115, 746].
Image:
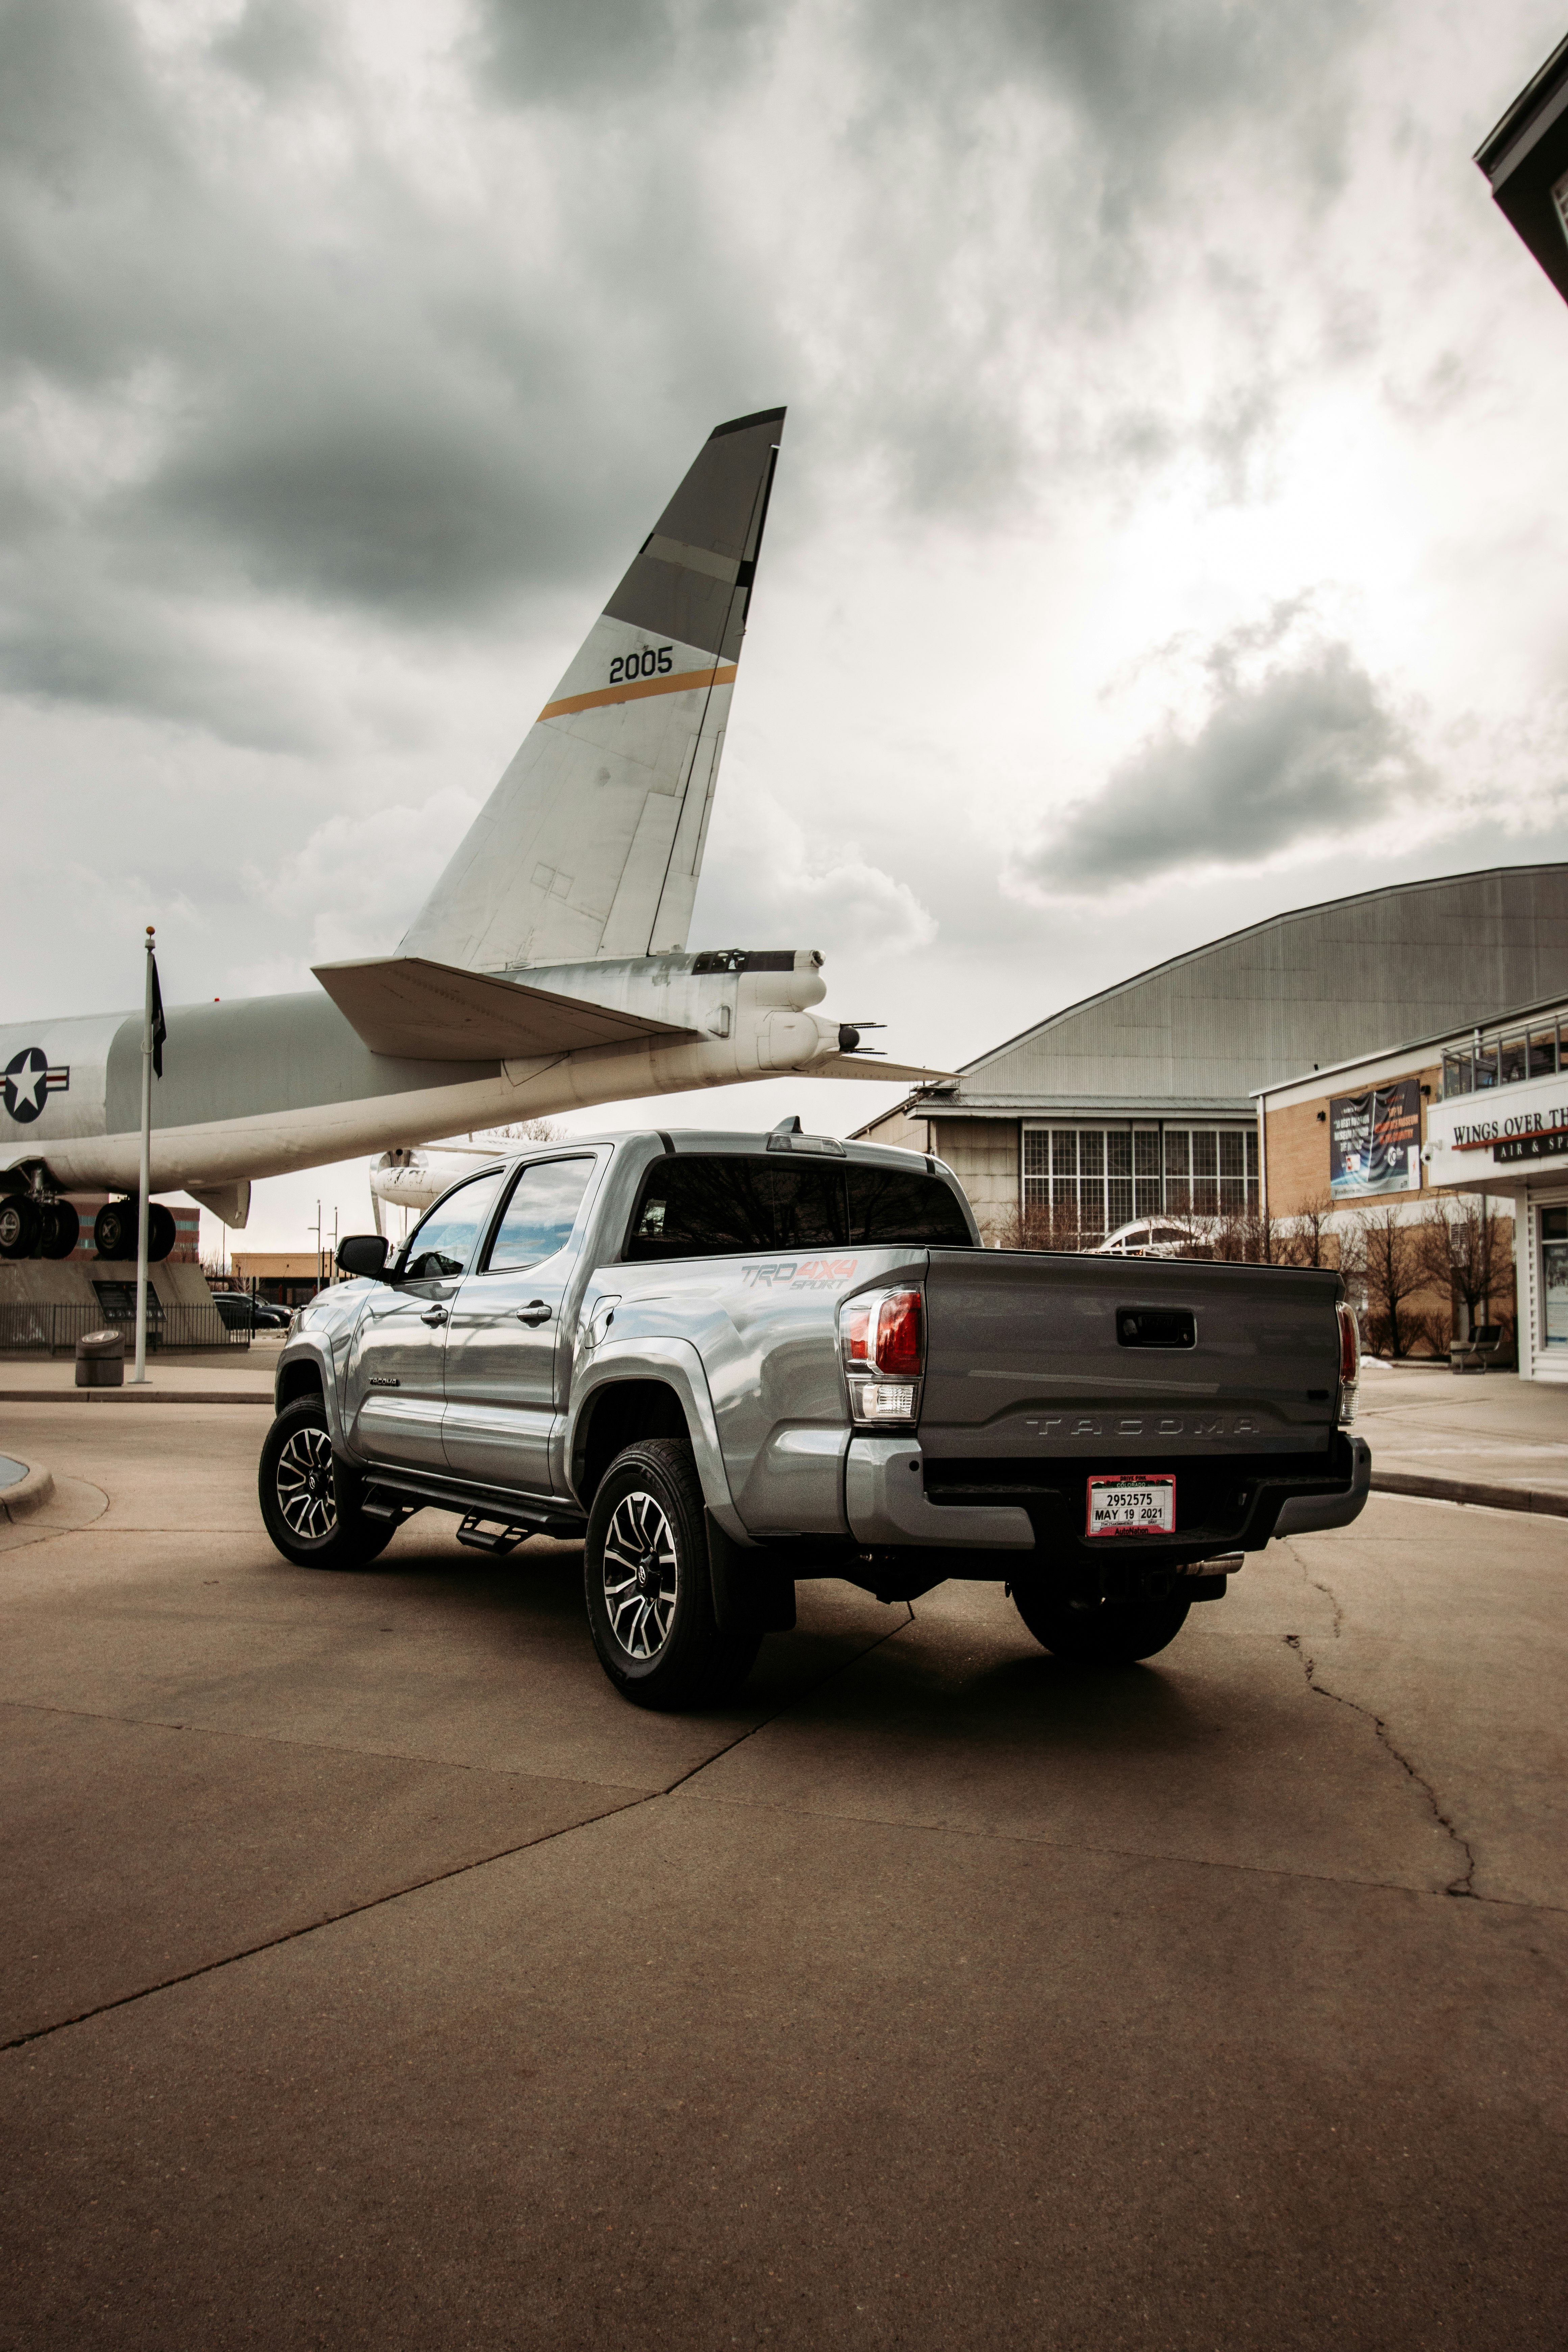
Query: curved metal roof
[1318, 985]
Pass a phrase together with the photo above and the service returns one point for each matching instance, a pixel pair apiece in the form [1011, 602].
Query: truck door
[502, 1342]
[395, 1384]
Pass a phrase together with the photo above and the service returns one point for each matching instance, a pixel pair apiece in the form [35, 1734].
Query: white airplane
[411, 1180]
[547, 969]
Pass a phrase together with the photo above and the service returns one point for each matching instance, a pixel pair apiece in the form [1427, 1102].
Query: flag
[160, 1027]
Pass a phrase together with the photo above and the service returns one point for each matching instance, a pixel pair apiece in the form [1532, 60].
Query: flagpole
[141, 1371]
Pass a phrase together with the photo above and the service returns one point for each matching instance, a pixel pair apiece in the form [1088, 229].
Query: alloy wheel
[642, 1576]
[306, 1496]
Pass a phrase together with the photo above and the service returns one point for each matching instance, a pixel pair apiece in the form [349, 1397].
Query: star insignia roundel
[26, 1084]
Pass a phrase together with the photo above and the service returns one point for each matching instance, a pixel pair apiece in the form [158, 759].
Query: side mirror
[363, 1253]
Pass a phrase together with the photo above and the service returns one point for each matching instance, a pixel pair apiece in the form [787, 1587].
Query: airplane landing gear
[34, 1221]
[61, 1229]
[114, 1231]
[21, 1225]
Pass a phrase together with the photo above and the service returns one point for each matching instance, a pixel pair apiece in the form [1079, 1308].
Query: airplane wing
[425, 1011]
[873, 1066]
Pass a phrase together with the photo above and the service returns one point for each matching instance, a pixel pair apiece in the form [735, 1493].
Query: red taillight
[1350, 1365]
[856, 1325]
[1350, 1348]
[900, 1342]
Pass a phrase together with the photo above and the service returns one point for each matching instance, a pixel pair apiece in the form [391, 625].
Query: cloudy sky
[1171, 528]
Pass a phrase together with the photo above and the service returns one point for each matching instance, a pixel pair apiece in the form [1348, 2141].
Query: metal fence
[55, 1331]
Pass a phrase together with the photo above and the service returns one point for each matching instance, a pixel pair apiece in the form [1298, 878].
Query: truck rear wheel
[649, 1589]
[1104, 1632]
[309, 1502]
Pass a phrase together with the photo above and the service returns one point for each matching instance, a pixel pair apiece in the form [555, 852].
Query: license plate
[1133, 1507]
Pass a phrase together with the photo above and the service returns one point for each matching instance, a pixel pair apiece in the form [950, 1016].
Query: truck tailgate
[1032, 1355]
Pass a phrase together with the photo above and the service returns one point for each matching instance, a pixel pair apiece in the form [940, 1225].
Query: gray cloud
[1311, 749]
[252, 347]
[533, 52]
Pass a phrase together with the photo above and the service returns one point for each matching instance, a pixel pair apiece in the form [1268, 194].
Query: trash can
[100, 1361]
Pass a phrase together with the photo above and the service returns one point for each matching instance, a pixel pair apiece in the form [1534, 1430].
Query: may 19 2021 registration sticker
[1132, 1505]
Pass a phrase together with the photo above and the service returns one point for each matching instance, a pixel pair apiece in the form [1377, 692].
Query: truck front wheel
[1104, 1632]
[648, 1587]
[311, 1503]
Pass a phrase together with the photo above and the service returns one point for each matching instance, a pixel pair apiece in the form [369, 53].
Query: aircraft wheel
[61, 1230]
[21, 1225]
[161, 1234]
[114, 1230]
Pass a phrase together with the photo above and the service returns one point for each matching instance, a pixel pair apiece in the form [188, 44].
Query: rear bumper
[1308, 1515]
[885, 1502]
[1224, 1501]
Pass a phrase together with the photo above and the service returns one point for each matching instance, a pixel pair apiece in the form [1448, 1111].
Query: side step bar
[483, 1536]
[511, 1520]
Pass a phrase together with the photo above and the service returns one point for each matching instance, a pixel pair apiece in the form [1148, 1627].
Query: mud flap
[748, 1585]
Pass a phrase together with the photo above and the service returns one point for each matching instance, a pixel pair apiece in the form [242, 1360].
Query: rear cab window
[540, 1217]
[724, 1205]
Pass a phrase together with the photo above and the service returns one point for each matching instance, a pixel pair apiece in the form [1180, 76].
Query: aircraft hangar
[1138, 1100]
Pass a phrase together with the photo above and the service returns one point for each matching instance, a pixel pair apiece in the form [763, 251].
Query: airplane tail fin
[591, 844]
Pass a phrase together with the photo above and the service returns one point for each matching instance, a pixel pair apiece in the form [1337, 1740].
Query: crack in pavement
[458, 1870]
[1463, 1884]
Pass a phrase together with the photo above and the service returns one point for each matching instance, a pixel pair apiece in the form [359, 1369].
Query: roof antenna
[787, 1127]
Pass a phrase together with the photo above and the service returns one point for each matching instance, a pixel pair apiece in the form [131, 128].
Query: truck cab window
[896, 1206]
[444, 1244]
[724, 1207]
[540, 1215]
[703, 1207]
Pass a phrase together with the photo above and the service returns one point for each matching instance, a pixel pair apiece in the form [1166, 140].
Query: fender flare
[306, 1350]
[678, 1365]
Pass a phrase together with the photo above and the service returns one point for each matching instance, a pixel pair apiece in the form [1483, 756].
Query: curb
[27, 1496]
[1470, 1490]
[138, 1395]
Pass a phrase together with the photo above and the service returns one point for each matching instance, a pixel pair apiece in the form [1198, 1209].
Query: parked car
[728, 1362]
[1154, 1238]
[241, 1312]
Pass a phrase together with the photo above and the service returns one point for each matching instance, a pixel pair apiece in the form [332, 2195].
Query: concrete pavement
[1492, 1439]
[428, 1995]
[225, 1376]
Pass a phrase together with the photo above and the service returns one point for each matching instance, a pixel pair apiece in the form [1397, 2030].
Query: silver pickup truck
[727, 1362]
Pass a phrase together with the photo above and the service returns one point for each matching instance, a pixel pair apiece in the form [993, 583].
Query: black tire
[62, 1230]
[309, 1501]
[114, 1230]
[1101, 1634]
[21, 1225]
[648, 1587]
[162, 1234]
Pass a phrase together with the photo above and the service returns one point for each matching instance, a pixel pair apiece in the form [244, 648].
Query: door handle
[535, 1311]
[436, 1314]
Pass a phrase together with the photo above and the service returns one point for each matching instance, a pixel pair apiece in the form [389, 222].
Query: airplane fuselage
[260, 1085]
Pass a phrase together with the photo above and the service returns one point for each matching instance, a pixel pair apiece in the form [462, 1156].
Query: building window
[1091, 1180]
[1538, 1053]
[1554, 1276]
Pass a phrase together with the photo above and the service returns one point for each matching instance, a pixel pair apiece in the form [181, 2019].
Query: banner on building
[1374, 1140]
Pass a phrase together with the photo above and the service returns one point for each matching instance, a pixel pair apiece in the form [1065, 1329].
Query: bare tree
[1307, 1238]
[1467, 1252]
[1390, 1263]
[1039, 1225]
[1255, 1236]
